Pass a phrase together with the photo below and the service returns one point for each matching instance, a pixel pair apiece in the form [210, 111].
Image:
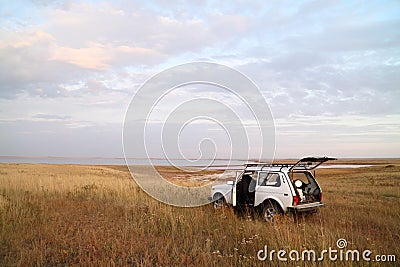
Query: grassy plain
[62, 215]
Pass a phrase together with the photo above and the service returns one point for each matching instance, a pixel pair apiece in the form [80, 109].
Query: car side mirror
[230, 182]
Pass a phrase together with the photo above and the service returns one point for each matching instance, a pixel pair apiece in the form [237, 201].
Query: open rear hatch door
[309, 163]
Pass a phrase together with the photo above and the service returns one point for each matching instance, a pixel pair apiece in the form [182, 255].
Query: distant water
[64, 160]
[216, 164]
[343, 166]
[115, 161]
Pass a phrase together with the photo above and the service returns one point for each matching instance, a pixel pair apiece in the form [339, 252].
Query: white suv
[273, 188]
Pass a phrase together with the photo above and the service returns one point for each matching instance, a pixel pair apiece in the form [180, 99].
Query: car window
[269, 179]
[302, 176]
[252, 186]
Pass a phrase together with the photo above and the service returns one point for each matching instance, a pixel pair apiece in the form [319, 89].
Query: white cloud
[78, 64]
[93, 57]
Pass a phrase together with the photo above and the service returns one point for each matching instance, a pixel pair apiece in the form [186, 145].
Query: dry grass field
[62, 215]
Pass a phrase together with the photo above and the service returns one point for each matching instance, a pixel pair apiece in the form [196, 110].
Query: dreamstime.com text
[332, 254]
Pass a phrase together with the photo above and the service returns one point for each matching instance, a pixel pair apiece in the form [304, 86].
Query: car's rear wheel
[271, 211]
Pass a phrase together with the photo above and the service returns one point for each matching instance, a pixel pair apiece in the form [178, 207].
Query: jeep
[273, 189]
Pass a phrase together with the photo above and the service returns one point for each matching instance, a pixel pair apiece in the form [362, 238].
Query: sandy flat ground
[91, 215]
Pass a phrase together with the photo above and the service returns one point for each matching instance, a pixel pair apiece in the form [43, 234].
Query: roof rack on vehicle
[307, 163]
[268, 164]
[262, 166]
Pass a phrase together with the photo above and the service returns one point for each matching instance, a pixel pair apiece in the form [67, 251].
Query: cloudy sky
[330, 70]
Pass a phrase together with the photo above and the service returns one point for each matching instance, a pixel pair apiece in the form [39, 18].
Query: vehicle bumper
[310, 207]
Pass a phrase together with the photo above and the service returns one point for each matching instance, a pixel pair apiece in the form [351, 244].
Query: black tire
[271, 211]
[219, 203]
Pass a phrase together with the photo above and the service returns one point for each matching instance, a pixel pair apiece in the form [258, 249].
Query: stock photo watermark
[190, 117]
[338, 253]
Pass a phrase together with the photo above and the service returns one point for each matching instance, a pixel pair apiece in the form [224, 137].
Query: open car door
[239, 174]
[309, 163]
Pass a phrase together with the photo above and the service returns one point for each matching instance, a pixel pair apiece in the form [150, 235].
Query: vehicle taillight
[296, 200]
[320, 197]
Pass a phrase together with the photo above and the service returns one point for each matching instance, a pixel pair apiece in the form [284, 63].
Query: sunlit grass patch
[97, 215]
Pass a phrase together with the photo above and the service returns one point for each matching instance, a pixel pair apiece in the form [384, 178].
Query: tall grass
[57, 215]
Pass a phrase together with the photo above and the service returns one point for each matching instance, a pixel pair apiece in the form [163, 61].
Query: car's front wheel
[219, 203]
[271, 211]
